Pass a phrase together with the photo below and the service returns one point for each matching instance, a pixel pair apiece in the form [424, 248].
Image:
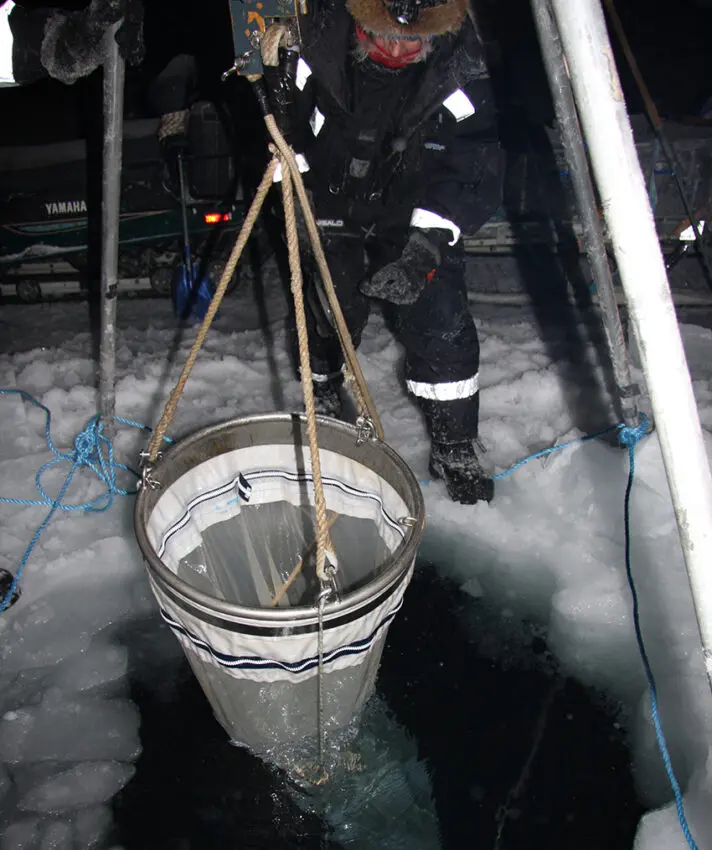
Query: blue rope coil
[92, 449]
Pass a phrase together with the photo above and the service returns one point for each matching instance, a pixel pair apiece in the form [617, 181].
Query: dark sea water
[516, 756]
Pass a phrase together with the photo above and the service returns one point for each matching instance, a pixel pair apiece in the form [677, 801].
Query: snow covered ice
[548, 550]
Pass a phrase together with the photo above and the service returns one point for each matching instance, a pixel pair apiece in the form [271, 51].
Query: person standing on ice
[394, 111]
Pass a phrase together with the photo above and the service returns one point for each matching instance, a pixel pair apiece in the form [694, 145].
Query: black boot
[327, 397]
[459, 467]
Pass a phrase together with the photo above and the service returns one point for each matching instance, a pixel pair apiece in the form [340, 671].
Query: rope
[227, 274]
[355, 380]
[342, 331]
[557, 448]
[270, 43]
[322, 529]
[629, 437]
[173, 124]
[504, 811]
[291, 178]
[95, 451]
[289, 164]
[92, 449]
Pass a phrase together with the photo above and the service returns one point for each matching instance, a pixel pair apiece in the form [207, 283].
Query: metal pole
[600, 103]
[113, 98]
[593, 241]
[187, 253]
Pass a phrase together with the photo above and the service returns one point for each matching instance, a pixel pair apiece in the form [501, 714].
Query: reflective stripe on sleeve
[303, 73]
[426, 219]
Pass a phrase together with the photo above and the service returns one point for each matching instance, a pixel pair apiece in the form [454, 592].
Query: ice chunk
[473, 588]
[14, 435]
[80, 730]
[76, 596]
[590, 633]
[24, 689]
[59, 835]
[91, 825]
[41, 635]
[661, 829]
[685, 710]
[5, 781]
[21, 835]
[83, 785]
[100, 665]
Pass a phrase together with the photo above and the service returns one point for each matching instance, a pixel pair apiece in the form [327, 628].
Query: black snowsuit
[382, 143]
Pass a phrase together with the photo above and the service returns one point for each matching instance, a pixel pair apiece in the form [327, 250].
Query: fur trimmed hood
[373, 17]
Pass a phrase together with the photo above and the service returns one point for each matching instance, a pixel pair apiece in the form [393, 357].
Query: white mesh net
[241, 526]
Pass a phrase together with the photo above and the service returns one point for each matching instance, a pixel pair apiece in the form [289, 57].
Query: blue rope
[91, 449]
[629, 437]
[553, 449]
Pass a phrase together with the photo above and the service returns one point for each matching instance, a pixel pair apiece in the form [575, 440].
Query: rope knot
[85, 443]
[629, 437]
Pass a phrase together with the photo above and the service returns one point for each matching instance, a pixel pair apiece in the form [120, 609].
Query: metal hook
[147, 479]
[366, 431]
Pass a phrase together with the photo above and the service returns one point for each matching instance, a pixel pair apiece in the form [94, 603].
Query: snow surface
[549, 549]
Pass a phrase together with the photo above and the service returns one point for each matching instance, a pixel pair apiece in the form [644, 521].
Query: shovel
[191, 295]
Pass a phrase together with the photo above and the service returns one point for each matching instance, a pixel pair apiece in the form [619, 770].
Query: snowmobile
[48, 191]
[46, 195]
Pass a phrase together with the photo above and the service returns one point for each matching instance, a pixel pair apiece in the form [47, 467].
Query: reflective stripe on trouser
[323, 377]
[445, 390]
[437, 333]
[443, 353]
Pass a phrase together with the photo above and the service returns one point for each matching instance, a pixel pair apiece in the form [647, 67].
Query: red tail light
[216, 217]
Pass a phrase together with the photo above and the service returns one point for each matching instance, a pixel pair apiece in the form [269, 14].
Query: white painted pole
[621, 186]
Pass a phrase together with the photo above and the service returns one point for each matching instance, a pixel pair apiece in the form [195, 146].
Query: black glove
[402, 281]
[73, 41]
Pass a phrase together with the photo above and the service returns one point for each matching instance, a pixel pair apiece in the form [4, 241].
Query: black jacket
[387, 143]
